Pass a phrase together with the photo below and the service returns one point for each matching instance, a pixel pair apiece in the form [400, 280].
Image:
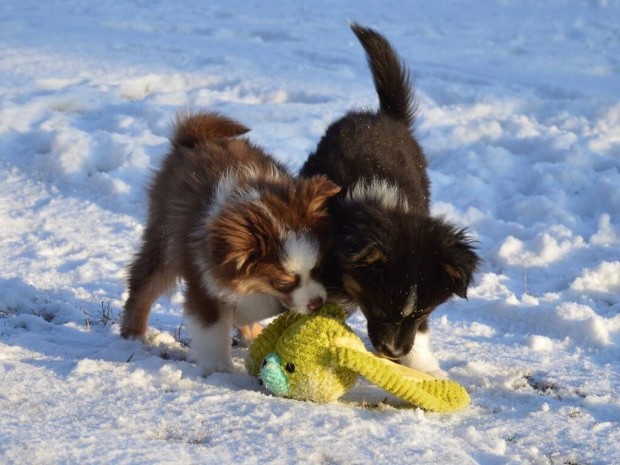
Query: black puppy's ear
[460, 261]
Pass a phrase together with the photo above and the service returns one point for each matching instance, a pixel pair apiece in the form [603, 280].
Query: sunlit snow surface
[520, 119]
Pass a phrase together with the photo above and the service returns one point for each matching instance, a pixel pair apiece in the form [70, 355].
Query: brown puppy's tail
[191, 129]
[391, 76]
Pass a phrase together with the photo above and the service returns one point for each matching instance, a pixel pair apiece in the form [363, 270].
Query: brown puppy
[246, 237]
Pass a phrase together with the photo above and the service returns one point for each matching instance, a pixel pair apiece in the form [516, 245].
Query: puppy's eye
[284, 287]
[290, 367]
[315, 273]
[366, 256]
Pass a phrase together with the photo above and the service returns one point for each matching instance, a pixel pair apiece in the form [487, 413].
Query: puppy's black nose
[315, 303]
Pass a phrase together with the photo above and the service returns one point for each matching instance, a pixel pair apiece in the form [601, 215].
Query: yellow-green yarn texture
[266, 341]
[322, 357]
[316, 376]
[304, 340]
[429, 394]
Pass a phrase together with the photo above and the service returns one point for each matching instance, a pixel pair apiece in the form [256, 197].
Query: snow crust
[520, 120]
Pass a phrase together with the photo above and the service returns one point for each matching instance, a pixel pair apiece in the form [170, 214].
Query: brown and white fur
[245, 236]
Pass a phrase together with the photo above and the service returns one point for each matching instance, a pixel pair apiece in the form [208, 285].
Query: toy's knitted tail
[420, 389]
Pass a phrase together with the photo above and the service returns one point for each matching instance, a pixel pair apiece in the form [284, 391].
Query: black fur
[391, 77]
[390, 257]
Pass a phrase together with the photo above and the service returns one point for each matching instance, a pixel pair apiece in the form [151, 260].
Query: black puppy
[390, 256]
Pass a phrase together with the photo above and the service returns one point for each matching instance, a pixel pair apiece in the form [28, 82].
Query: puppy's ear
[459, 260]
[239, 238]
[316, 190]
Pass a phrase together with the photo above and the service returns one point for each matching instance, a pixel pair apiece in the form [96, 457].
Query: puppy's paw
[247, 334]
[425, 361]
[132, 334]
[223, 367]
[143, 338]
[439, 374]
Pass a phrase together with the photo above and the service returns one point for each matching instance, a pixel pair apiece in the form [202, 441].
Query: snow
[520, 119]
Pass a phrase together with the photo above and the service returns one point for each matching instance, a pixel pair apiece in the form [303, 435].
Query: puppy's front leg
[210, 323]
[421, 358]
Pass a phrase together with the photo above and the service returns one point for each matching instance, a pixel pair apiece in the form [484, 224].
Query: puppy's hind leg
[149, 278]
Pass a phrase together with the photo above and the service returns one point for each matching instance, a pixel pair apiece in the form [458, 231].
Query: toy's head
[302, 364]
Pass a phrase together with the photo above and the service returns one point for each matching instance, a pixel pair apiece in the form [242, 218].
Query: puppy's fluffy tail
[391, 76]
[190, 129]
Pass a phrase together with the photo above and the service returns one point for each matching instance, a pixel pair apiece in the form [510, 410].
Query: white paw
[439, 373]
[424, 361]
[212, 365]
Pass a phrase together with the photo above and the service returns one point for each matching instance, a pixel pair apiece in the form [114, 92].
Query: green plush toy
[318, 357]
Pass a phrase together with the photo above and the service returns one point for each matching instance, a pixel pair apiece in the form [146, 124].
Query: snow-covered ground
[520, 118]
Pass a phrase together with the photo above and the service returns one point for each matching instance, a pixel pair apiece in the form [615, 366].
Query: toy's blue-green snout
[273, 376]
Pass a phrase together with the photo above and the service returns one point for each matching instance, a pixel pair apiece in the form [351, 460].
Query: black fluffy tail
[391, 76]
[193, 128]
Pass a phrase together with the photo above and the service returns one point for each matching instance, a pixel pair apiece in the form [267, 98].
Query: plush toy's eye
[264, 363]
[290, 367]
